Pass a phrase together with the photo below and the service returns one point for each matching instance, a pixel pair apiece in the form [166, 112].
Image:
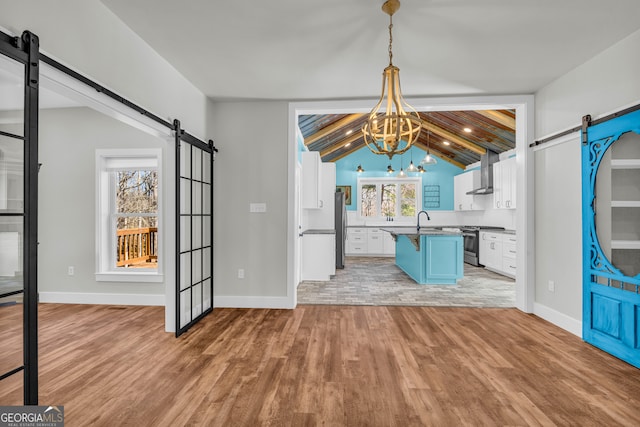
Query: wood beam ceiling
[452, 137]
[337, 146]
[332, 128]
[499, 117]
[439, 155]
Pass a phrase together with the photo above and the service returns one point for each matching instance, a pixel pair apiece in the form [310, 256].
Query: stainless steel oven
[471, 238]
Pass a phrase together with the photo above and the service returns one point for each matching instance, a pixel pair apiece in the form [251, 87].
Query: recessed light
[346, 145]
[349, 132]
[446, 142]
[467, 130]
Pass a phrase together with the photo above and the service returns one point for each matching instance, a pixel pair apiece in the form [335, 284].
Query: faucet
[428, 218]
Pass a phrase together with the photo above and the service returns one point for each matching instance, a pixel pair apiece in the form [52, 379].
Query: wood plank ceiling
[338, 135]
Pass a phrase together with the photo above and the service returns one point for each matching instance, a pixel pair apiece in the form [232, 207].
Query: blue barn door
[611, 235]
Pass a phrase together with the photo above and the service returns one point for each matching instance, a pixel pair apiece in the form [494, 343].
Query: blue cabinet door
[443, 263]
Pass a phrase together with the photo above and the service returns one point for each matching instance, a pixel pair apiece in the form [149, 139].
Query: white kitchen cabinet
[509, 255]
[491, 250]
[323, 216]
[318, 256]
[356, 241]
[463, 183]
[311, 180]
[388, 244]
[504, 184]
[369, 241]
[498, 252]
[375, 241]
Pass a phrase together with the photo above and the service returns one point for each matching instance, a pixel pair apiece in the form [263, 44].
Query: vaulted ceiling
[331, 49]
[338, 135]
[336, 49]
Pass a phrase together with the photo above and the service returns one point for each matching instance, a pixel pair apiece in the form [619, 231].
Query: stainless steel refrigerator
[341, 227]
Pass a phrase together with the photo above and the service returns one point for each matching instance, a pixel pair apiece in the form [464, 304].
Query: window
[383, 198]
[128, 226]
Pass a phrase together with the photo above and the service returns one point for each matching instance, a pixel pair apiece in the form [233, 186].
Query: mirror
[617, 204]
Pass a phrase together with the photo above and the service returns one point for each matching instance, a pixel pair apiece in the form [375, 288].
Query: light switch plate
[257, 207]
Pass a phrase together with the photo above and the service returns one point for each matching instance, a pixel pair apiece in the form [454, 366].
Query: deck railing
[137, 246]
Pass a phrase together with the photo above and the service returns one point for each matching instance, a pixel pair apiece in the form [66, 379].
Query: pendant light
[401, 174]
[393, 125]
[390, 169]
[360, 169]
[412, 167]
[428, 159]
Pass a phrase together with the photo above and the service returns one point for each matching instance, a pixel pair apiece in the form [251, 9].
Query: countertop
[499, 231]
[424, 231]
[318, 231]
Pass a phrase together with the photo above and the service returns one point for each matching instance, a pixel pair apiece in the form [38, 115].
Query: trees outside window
[129, 234]
[136, 218]
[383, 198]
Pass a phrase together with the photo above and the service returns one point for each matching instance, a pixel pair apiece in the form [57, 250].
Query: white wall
[605, 83]
[89, 38]
[68, 140]
[251, 167]
[601, 85]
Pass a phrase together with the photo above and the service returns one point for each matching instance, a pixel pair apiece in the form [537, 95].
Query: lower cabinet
[369, 241]
[375, 240]
[498, 252]
[509, 255]
[356, 241]
[318, 257]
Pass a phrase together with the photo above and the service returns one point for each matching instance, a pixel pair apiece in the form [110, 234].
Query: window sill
[138, 277]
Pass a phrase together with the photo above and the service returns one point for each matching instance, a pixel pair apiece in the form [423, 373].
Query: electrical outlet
[71, 270]
[241, 273]
[552, 286]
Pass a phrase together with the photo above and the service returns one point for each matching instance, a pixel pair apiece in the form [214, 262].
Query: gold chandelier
[393, 125]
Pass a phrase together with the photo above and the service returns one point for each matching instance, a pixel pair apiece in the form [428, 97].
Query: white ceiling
[337, 49]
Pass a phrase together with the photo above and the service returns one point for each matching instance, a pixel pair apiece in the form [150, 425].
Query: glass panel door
[194, 287]
[18, 213]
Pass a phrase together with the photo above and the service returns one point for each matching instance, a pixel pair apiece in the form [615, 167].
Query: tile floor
[377, 281]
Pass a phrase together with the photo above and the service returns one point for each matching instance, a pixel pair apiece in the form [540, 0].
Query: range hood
[486, 173]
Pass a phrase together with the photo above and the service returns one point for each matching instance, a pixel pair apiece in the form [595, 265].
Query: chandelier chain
[390, 39]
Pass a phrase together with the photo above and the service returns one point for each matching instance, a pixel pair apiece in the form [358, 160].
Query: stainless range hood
[486, 173]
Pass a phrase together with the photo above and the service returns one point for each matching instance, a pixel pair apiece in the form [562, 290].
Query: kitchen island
[428, 255]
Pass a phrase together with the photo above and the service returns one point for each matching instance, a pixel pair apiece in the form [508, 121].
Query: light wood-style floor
[325, 365]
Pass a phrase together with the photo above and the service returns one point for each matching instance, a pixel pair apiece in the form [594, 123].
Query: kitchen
[475, 198]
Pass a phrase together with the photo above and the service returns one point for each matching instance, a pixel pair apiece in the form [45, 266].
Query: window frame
[378, 182]
[108, 161]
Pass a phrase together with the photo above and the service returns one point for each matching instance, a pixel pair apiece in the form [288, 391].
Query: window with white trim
[129, 237]
[382, 198]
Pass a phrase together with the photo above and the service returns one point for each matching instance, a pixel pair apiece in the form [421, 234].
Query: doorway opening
[523, 107]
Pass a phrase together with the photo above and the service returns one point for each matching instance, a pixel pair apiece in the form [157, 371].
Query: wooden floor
[325, 365]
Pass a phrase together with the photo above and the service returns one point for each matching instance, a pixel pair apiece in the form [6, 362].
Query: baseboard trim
[99, 298]
[252, 302]
[561, 320]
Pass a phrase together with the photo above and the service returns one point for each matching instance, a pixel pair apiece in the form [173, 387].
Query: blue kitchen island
[429, 256]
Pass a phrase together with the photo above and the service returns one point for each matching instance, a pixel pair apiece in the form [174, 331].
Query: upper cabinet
[311, 180]
[504, 184]
[464, 183]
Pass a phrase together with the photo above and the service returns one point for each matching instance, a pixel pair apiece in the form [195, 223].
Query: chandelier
[393, 125]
